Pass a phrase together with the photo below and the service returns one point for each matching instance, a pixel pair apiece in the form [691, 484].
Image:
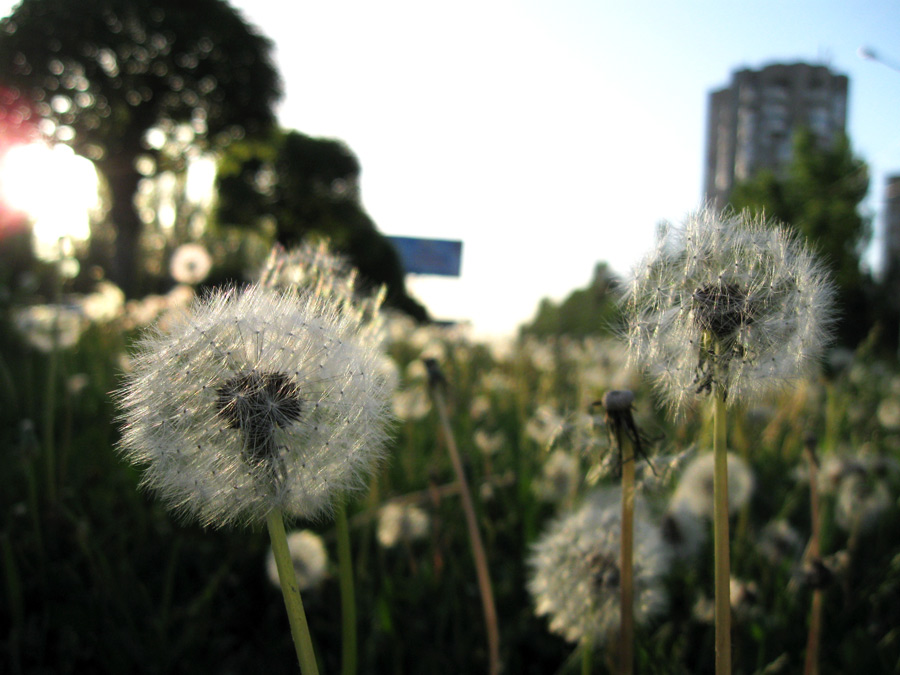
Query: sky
[550, 136]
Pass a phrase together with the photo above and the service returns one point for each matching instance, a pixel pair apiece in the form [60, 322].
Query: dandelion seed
[309, 557]
[726, 300]
[574, 577]
[253, 401]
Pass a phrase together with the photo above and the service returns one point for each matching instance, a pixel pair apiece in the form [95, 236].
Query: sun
[55, 188]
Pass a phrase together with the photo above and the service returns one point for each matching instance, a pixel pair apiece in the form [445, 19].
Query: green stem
[626, 558]
[811, 664]
[291, 592]
[720, 523]
[587, 657]
[481, 566]
[50, 411]
[348, 599]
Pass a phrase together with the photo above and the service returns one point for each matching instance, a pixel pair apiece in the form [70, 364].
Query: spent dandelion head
[620, 424]
[730, 301]
[252, 401]
[575, 574]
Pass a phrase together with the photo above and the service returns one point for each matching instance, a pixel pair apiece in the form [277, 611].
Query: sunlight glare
[56, 188]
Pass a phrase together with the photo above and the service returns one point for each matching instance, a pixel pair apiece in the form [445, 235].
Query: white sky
[551, 136]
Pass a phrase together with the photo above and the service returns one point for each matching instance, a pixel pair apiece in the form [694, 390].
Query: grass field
[98, 577]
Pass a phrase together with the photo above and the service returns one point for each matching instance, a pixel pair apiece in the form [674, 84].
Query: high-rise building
[751, 122]
[891, 216]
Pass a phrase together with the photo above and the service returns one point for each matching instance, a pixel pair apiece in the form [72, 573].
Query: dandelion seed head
[190, 264]
[49, 327]
[683, 531]
[401, 523]
[749, 286]
[309, 557]
[574, 578]
[315, 268]
[862, 500]
[694, 491]
[560, 477]
[253, 400]
[779, 541]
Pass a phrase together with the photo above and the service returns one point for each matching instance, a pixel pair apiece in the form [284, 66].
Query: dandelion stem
[291, 592]
[626, 635]
[481, 566]
[814, 552]
[721, 538]
[587, 657]
[348, 599]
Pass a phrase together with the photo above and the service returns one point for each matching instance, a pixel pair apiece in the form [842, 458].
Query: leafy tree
[586, 311]
[309, 187]
[102, 73]
[819, 194]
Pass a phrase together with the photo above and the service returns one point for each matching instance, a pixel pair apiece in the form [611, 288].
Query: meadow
[98, 577]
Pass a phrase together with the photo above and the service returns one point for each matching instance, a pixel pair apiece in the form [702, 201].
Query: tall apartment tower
[750, 123]
[891, 217]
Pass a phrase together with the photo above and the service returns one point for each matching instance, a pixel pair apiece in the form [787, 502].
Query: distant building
[750, 123]
[891, 215]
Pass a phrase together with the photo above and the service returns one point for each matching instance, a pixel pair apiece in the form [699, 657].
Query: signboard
[429, 256]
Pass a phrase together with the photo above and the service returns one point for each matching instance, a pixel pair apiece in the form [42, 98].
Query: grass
[97, 577]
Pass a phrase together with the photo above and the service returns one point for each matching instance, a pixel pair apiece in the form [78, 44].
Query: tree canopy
[586, 311]
[101, 73]
[309, 187]
[819, 193]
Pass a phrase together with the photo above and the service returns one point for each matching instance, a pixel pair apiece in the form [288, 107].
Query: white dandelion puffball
[695, 489]
[726, 300]
[401, 522]
[575, 574]
[254, 400]
[190, 264]
[309, 557]
[49, 327]
[315, 267]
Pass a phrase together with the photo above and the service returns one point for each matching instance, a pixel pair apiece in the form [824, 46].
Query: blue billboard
[429, 256]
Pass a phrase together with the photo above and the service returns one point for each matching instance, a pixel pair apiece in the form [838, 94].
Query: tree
[819, 194]
[102, 73]
[309, 187]
[586, 311]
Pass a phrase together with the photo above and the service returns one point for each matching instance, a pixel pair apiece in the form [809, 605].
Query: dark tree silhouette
[585, 311]
[309, 186]
[101, 73]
